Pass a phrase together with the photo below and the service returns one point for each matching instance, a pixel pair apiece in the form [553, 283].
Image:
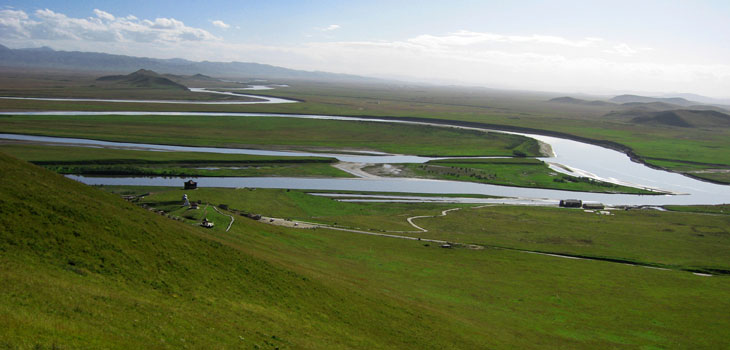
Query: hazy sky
[572, 46]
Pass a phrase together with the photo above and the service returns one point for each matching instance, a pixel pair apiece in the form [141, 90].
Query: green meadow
[96, 271]
[525, 111]
[105, 161]
[519, 172]
[274, 132]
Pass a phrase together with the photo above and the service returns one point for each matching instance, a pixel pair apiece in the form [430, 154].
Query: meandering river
[581, 158]
[258, 99]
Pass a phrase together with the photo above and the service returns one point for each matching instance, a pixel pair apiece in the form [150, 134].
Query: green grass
[497, 109]
[83, 269]
[723, 209]
[519, 172]
[678, 240]
[294, 204]
[518, 300]
[714, 172]
[272, 132]
[101, 161]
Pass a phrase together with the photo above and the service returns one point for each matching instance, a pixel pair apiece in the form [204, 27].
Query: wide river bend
[580, 158]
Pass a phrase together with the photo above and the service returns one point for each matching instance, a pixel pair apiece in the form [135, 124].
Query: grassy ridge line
[82, 269]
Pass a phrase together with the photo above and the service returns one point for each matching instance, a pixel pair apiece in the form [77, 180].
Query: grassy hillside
[142, 79]
[81, 269]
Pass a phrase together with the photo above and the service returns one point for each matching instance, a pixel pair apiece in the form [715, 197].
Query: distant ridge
[48, 58]
[577, 101]
[685, 118]
[143, 78]
[644, 99]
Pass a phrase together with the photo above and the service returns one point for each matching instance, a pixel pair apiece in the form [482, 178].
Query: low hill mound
[651, 106]
[645, 99]
[84, 269]
[685, 118]
[577, 101]
[143, 79]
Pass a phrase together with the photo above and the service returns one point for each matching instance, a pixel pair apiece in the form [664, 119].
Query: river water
[258, 99]
[581, 158]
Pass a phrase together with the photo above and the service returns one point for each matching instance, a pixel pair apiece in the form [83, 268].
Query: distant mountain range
[47, 58]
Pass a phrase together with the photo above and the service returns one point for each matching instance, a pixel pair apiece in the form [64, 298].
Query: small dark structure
[571, 203]
[190, 185]
[193, 205]
[446, 245]
[593, 206]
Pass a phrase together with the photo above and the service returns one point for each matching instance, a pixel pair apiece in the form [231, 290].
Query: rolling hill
[577, 101]
[644, 99]
[684, 118]
[84, 269]
[142, 79]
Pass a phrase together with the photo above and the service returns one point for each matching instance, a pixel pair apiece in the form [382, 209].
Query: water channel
[581, 158]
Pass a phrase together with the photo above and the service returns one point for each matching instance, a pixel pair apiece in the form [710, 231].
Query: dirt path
[230, 216]
[421, 229]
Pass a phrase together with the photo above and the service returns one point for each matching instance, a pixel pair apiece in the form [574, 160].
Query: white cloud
[466, 38]
[221, 24]
[104, 27]
[330, 28]
[13, 23]
[538, 61]
[104, 15]
[625, 50]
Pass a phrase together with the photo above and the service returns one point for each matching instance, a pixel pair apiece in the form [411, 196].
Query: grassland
[93, 271]
[519, 172]
[492, 108]
[723, 209]
[85, 270]
[678, 240]
[273, 132]
[101, 161]
[292, 204]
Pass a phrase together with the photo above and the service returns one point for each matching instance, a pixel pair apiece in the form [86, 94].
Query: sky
[568, 46]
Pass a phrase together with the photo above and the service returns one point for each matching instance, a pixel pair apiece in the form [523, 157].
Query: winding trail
[230, 216]
[421, 229]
